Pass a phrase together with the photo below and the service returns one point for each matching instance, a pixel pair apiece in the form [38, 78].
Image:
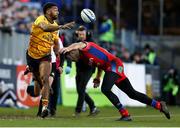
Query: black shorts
[34, 63]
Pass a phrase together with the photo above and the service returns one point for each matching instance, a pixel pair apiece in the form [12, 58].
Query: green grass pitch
[142, 117]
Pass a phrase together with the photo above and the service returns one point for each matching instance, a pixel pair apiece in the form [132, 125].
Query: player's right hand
[96, 82]
[68, 25]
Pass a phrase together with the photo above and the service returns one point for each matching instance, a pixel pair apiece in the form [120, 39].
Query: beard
[54, 17]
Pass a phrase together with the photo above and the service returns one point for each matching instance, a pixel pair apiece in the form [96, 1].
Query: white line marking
[138, 116]
[105, 117]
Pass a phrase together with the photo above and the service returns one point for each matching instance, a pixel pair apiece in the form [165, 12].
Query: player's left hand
[64, 50]
[60, 69]
[96, 82]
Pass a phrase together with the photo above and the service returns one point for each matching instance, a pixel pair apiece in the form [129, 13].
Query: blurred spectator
[6, 24]
[126, 56]
[18, 16]
[113, 49]
[171, 83]
[150, 56]
[106, 30]
[137, 58]
[34, 14]
[22, 27]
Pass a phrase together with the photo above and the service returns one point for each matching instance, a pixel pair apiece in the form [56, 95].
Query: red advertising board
[22, 82]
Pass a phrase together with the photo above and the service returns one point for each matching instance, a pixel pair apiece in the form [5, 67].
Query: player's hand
[96, 82]
[68, 25]
[60, 69]
[64, 50]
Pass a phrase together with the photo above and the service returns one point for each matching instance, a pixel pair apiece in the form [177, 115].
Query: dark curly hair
[47, 6]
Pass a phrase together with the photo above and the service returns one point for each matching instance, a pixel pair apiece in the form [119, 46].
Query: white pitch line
[139, 116]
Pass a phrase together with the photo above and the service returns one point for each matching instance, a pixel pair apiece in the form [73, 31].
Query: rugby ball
[88, 15]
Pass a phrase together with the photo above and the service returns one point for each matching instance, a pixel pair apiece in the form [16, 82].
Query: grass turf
[142, 117]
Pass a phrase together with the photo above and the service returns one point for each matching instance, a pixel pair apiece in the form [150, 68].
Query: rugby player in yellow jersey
[43, 37]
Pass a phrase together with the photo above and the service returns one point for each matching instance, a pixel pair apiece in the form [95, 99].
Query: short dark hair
[82, 28]
[48, 5]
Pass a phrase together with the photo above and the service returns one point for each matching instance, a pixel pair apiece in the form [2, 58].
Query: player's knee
[45, 79]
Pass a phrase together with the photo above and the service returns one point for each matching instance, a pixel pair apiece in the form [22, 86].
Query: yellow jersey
[41, 42]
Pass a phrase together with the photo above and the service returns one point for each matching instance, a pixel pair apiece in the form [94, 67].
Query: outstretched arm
[73, 46]
[51, 28]
[48, 27]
